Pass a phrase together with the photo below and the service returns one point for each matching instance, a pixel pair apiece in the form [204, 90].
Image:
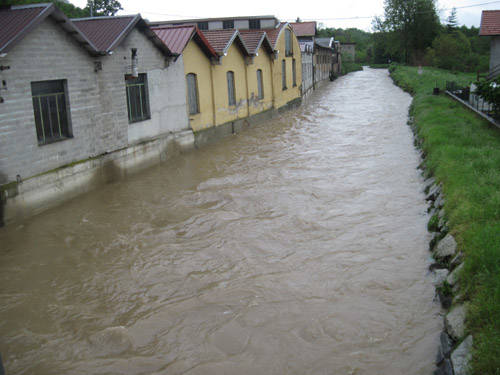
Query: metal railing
[476, 102]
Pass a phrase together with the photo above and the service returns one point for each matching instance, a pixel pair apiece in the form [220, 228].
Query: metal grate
[137, 98]
[50, 111]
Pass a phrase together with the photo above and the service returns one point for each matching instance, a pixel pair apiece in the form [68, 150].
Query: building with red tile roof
[304, 29]
[222, 40]
[73, 91]
[490, 23]
[177, 38]
[17, 21]
[107, 33]
[490, 26]
[254, 39]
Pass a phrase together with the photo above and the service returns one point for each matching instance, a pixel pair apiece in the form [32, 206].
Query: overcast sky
[332, 13]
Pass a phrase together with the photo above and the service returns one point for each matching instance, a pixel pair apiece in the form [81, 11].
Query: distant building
[306, 31]
[490, 26]
[240, 23]
[348, 51]
[322, 57]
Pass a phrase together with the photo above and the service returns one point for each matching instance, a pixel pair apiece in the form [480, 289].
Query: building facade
[86, 101]
[233, 75]
[78, 94]
[490, 26]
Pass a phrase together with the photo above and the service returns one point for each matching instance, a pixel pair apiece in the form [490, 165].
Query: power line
[370, 17]
[179, 16]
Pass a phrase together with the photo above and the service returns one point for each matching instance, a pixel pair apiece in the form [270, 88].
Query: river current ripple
[296, 247]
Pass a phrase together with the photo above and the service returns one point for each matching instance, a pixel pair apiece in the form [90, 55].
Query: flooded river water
[296, 247]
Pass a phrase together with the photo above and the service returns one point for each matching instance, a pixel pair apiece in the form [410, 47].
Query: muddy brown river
[296, 247]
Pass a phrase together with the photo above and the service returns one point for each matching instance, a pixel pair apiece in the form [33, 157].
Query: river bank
[462, 155]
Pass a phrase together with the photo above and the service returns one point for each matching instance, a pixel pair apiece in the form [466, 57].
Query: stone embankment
[454, 352]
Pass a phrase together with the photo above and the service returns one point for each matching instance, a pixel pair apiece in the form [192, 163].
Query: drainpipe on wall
[272, 83]
[214, 107]
[247, 90]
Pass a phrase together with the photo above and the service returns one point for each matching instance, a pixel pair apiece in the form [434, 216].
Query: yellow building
[197, 55]
[230, 88]
[259, 71]
[232, 75]
[287, 65]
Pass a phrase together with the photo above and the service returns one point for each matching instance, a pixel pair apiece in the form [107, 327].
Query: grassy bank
[348, 67]
[463, 152]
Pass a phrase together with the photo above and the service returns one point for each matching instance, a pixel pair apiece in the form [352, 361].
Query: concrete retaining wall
[30, 197]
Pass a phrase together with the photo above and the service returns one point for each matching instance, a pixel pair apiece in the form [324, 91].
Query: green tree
[415, 24]
[68, 9]
[452, 22]
[103, 7]
[452, 51]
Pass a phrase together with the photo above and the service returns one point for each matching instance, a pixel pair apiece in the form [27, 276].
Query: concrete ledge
[211, 135]
[36, 194]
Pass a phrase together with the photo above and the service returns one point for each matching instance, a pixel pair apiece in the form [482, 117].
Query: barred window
[229, 24]
[192, 87]
[231, 95]
[203, 25]
[137, 98]
[283, 74]
[260, 87]
[294, 73]
[51, 110]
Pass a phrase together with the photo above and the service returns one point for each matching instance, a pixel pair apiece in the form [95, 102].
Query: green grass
[379, 66]
[463, 152]
[348, 67]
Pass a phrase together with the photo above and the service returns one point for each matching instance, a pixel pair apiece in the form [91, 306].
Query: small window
[51, 110]
[231, 95]
[260, 86]
[254, 24]
[192, 88]
[283, 74]
[228, 24]
[294, 73]
[137, 98]
[203, 25]
[288, 43]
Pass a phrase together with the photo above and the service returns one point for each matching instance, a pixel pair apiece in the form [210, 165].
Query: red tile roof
[304, 28]
[14, 21]
[18, 20]
[254, 39]
[106, 32]
[221, 40]
[490, 23]
[273, 34]
[177, 37]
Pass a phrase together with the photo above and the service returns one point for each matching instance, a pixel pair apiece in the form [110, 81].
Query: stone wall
[47, 53]
[97, 100]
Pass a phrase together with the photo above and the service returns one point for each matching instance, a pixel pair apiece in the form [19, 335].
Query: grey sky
[333, 13]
